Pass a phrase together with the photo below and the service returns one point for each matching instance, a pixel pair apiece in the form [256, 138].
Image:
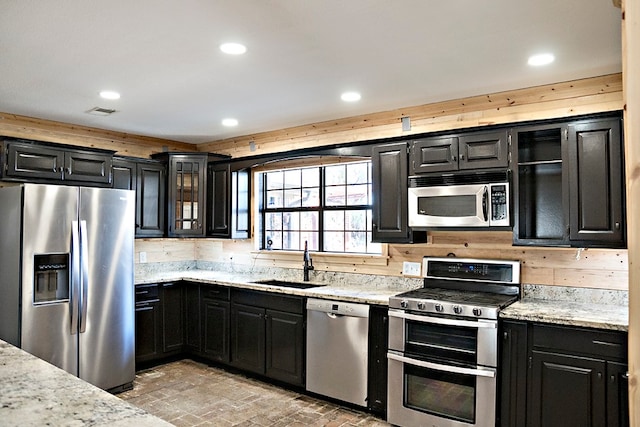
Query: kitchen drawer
[215, 292]
[606, 344]
[289, 304]
[146, 292]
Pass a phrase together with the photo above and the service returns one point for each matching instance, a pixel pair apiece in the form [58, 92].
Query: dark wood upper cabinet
[148, 179]
[569, 184]
[219, 200]
[596, 182]
[150, 199]
[389, 186]
[228, 200]
[477, 150]
[33, 161]
[186, 190]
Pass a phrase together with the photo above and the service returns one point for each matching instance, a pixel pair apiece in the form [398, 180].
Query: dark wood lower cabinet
[172, 302]
[148, 318]
[268, 335]
[554, 375]
[248, 337]
[215, 330]
[566, 390]
[284, 347]
[378, 343]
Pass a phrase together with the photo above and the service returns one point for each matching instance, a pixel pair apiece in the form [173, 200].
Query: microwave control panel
[499, 205]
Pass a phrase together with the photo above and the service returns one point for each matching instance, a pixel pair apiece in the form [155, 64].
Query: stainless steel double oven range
[443, 343]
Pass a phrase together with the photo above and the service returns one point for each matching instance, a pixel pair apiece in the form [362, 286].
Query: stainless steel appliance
[337, 349]
[443, 343]
[462, 200]
[66, 288]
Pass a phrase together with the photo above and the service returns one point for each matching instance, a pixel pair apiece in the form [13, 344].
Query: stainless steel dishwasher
[337, 349]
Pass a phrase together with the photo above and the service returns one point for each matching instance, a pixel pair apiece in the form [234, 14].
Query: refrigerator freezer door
[48, 213]
[106, 349]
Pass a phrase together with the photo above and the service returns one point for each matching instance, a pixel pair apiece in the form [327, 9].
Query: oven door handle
[442, 321]
[444, 368]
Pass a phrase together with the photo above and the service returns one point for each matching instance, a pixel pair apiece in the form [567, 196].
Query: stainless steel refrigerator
[66, 278]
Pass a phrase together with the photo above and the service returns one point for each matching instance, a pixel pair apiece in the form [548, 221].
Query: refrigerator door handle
[84, 266]
[74, 301]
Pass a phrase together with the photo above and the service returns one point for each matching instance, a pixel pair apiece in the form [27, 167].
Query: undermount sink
[297, 285]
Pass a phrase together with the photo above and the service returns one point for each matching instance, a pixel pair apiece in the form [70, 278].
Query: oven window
[440, 393]
[444, 343]
[448, 206]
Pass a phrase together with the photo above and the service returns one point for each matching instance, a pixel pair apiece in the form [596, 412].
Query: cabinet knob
[617, 225]
[599, 375]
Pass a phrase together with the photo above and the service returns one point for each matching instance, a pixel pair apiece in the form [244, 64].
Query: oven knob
[404, 304]
[457, 309]
[439, 308]
[421, 305]
[477, 312]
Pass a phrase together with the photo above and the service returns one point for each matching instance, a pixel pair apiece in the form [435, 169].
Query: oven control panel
[444, 308]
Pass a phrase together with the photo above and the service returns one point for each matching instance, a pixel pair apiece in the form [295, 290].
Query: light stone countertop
[372, 293]
[557, 305]
[571, 313]
[36, 393]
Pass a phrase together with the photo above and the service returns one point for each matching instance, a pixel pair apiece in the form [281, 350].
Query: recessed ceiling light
[109, 94]
[350, 96]
[541, 59]
[229, 122]
[233, 48]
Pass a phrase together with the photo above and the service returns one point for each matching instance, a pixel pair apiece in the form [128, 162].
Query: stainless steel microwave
[459, 205]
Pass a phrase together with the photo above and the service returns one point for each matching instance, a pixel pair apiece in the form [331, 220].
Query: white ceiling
[163, 57]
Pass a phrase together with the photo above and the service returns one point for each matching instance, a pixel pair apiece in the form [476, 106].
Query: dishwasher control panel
[338, 307]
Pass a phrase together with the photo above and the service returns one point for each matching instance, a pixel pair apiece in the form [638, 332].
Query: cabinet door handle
[617, 225]
[599, 375]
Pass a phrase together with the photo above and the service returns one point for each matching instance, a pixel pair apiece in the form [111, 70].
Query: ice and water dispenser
[51, 278]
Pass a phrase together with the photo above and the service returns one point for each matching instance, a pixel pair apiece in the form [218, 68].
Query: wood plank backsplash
[589, 268]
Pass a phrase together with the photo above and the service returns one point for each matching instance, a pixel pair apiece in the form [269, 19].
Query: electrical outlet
[143, 257]
[411, 268]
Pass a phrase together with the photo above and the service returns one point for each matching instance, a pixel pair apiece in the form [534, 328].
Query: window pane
[357, 173]
[334, 220]
[356, 220]
[356, 241]
[335, 196]
[311, 197]
[291, 241]
[274, 199]
[311, 177]
[312, 238]
[276, 238]
[335, 175]
[309, 221]
[357, 194]
[274, 180]
[273, 221]
[334, 241]
[291, 221]
[292, 198]
[292, 178]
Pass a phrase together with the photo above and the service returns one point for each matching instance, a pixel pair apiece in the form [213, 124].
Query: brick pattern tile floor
[188, 393]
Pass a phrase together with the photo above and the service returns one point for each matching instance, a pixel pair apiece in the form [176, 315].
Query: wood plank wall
[63, 133]
[549, 266]
[572, 98]
[631, 73]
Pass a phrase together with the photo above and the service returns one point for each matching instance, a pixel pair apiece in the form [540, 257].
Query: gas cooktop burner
[463, 288]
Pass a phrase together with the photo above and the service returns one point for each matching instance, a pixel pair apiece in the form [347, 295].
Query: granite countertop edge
[341, 292]
[570, 313]
[34, 392]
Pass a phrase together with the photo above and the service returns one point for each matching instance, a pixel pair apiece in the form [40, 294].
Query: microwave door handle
[444, 368]
[485, 205]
